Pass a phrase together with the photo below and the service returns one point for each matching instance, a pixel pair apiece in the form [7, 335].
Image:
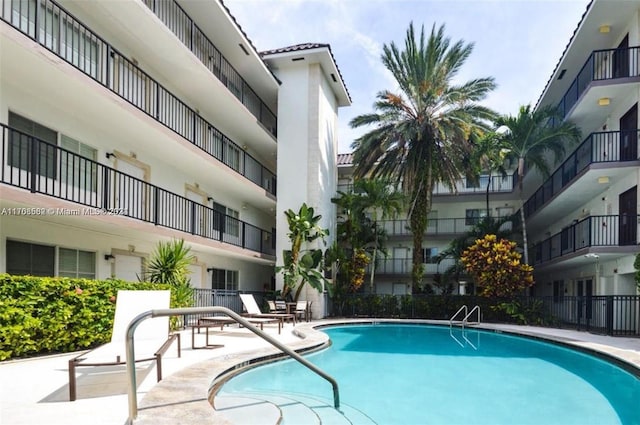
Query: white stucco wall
[307, 148]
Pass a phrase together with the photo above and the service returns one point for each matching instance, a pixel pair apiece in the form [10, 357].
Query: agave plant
[169, 264]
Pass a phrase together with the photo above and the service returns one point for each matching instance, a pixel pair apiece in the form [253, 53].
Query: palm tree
[421, 135]
[530, 140]
[485, 226]
[489, 155]
[377, 196]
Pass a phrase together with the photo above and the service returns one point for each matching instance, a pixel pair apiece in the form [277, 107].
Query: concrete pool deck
[35, 391]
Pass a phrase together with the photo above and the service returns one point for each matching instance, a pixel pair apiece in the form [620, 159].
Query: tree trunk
[524, 226]
[418, 223]
[373, 261]
[488, 186]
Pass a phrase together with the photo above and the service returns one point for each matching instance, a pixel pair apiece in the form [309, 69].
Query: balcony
[181, 24]
[435, 226]
[466, 186]
[602, 65]
[612, 147]
[402, 267]
[66, 37]
[594, 231]
[33, 164]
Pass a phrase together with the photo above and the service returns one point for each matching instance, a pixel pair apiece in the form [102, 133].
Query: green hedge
[41, 315]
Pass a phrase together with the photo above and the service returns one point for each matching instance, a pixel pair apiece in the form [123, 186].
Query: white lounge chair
[253, 310]
[151, 338]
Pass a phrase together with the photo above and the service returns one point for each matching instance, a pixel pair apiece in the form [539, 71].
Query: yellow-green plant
[496, 267]
[358, 266]
[40, 315]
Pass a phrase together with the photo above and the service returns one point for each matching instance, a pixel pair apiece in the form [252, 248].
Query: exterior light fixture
[604, 101]
[603, 179]
[604, 29]
[109, 257]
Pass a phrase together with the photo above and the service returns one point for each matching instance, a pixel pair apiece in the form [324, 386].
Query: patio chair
[151, 338]
[253, 310]
[277, 306]
[302, 309]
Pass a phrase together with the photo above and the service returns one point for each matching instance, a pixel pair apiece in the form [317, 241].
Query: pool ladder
[465, 321]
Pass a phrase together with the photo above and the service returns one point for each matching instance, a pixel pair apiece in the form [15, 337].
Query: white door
[127, 267]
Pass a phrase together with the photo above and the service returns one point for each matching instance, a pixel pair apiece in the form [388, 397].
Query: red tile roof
[345, 158]
[308, 46]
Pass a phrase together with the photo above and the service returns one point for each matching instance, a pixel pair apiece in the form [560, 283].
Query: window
[472, 216]
[233, 222]
[26, 258]
[472, 183]
[76, 171]
[76, 263]
[226, 219]
[80, 48]
[428, 255]
[224, 279]
[76, 45]
[232, 156]
[21, 145]
[558, 290]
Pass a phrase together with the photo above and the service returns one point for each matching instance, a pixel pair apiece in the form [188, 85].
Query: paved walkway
[35, 391]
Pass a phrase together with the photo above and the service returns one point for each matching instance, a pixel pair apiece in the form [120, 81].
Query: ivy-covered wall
[41, 315]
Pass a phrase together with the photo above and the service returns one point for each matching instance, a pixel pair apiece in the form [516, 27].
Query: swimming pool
[412, 374]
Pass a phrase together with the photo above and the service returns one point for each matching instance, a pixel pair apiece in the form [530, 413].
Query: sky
[517, 42]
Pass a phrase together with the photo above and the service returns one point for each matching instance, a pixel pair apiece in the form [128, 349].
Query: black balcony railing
[466, 186]
[35, 165]
[593, 231]
[601, 65]
[498, 184]
[435, 226]
[403, 266]
[65, 36]
[181, 24]
[603, 147]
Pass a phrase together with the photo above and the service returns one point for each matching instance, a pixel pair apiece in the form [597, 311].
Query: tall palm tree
[531, 140]
[421, 133]
[378, 197]
[489, 155]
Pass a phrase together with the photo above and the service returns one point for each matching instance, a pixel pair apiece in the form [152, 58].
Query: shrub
[41, 315]
[495, 266]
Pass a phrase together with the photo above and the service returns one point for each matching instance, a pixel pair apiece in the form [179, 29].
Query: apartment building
[453, 214]
[583, 220]
[132, 122]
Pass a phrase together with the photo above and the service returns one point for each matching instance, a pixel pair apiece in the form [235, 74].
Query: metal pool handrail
[467, 315]
[133, 401]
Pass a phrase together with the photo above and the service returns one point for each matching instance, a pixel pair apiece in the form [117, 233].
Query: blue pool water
[410, 374]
